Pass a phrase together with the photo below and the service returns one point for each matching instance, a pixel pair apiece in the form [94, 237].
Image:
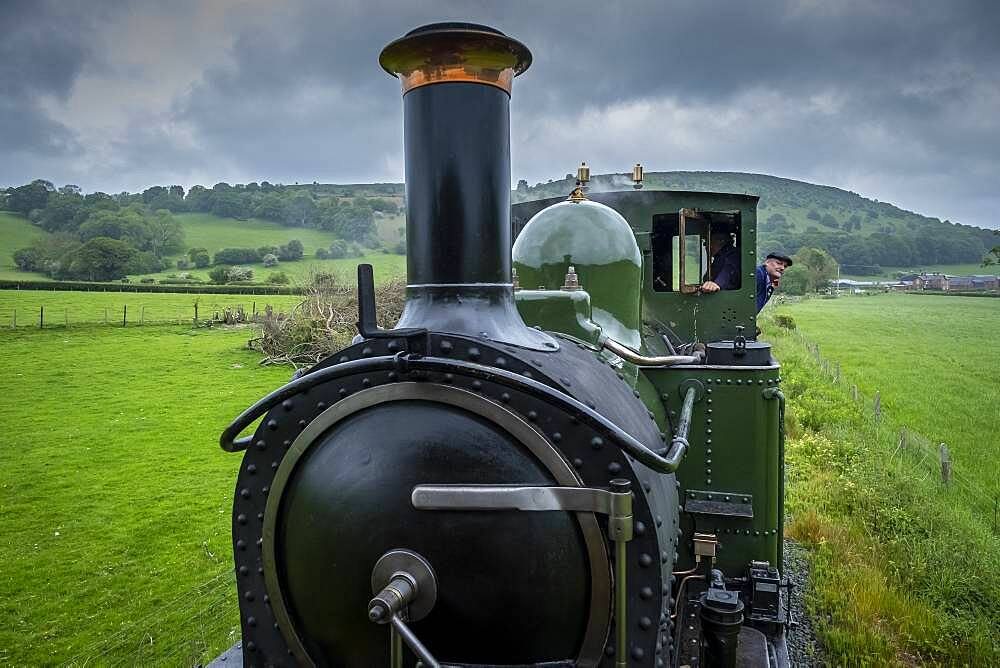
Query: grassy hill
[861, 233]
[16, 232]
[870, 238]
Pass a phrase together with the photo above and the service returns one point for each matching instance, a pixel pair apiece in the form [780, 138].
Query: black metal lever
[367, 321]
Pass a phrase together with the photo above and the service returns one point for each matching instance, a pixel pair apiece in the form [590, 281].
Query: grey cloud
[897, 100]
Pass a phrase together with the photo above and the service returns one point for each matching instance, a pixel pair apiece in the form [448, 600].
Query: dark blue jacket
[726, 267]
[764, 287]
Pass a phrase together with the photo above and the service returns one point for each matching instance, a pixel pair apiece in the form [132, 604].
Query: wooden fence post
[142, 313]
[878, 405]
[902, 439]
[124, 314]
[66, 317]
[854, 392]
[836, 372]
[41, 317]
[945, 464]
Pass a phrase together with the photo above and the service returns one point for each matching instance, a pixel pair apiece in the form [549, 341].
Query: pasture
[905, 566]
[115, 511]
[17, 232]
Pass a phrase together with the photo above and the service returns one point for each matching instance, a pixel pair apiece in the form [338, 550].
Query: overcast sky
[899, 101]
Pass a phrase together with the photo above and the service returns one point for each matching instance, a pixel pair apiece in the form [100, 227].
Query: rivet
[287, 404]
[505, 397]
[272, 424]
[245, 493]
[578, 463]
[708, 400]
[251, 469]
[449, 377]
[251, 621]
[739, 381]
[614, 468]
[446, 347]
[556, 436]
[709, 391]
[708, 471]
[241, 545]
[635, 393]
[286, 443]
[321, 405]
[645, 623]
[366, 352]
[729, 381]
[532, 415]
[646, 486]
[659, 520]
[248, 595]
[718, 381]
[708, 420]
[638, 653]
[366, 381]
[708, 431]
[244, 570]
[473, 353]
[728, 498]
[477, 385]
[760, 382]
[527, 374]
[597, 443]
[501, 361]
[708, 481]
[709, 450]
[646, 593]
[708, 410]
[302, 424]
[645, 560]
[260, 517]
[342, 392]
[640, 528]
[664, 557]
[252, 646]
[344, 358]
[392, 345]
[391, 375]
[241, 518]
[264, 490]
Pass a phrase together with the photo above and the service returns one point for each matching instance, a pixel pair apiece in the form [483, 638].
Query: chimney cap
[442, 52]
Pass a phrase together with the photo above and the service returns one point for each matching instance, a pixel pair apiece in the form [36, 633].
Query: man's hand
[710, 286]
[775, 282]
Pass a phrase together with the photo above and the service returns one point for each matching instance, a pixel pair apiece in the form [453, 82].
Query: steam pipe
[637, 359]
[662, 463]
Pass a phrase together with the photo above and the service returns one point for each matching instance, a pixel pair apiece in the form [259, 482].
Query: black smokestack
[456, 80]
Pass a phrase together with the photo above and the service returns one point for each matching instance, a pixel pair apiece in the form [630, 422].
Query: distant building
[961, 283]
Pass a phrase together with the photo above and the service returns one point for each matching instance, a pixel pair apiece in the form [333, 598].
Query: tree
[270, 260]
[813, 215]
[278, 278]
[199, 257]
[291, 251]
[60, 212]
[815, 266]
[166, 234]
[35, 195]
[101, 259]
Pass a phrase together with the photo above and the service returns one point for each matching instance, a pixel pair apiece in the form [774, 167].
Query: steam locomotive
[562, 455]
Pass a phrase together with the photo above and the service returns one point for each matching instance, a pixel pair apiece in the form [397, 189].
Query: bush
[270, 260]
[322, 254]
[183, 264]
[147, 279]
[237, 256]
[278, 278]
[291, 251]
[219, 275]
[784, 321]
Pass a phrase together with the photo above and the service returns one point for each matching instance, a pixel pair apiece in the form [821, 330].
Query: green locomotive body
[731, 480]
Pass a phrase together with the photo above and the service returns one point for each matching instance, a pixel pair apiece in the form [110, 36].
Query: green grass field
[932, 359]
[16, 232]
[114, 495]
[906, 568]
[76, 308]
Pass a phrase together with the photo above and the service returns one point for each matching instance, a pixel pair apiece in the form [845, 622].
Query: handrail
[667, 462]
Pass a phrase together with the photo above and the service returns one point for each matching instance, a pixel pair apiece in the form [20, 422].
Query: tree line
[94, 237]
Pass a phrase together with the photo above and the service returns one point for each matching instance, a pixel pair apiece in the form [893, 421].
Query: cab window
[681, 245]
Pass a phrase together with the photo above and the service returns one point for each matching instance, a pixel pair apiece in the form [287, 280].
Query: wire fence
[927, 456]
[141, 313]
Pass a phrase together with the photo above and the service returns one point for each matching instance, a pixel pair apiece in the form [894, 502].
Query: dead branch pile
[322, 323]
